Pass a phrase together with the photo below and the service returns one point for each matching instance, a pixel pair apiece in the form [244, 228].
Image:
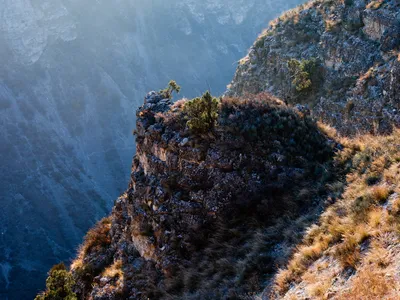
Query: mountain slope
[338, 57]
[70, 73]
[352, 252]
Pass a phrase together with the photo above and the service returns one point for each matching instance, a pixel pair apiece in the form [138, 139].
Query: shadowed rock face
[70, 73]
[355, 45]
[198, 201]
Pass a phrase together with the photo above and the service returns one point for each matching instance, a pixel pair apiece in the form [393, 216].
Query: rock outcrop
[200, 217]
[354, 46]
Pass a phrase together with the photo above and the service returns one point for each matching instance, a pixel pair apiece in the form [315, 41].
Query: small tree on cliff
[172, 87]
[303, 73]
[58, 285]
[201, 113]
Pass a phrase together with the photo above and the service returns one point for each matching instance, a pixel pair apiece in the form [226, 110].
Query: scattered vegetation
[354, 182]
[370, 283]
[58, 285]
[262, 118]
[88, 265]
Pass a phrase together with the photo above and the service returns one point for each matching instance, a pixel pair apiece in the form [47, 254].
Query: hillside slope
[353, 251]
[268, 203]
[341, 58]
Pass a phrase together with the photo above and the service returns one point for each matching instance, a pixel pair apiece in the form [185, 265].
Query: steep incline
[353, 251]
[339, 57]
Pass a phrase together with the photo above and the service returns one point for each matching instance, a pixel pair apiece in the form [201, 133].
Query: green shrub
[302, 73]
[58, 285]
[172, 87]
[201, 113]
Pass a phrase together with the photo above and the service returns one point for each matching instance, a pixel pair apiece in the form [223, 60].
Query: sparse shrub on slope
[94, 255]
[98, 238]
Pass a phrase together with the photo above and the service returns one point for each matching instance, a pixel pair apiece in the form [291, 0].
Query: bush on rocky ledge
[201, 113]
[59, 285]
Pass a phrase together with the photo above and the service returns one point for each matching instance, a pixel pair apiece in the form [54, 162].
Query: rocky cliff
[338, 57]
[203, 214]
[71, 73]
[248, 196]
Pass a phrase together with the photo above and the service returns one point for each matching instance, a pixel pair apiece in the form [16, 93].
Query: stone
[184, 142]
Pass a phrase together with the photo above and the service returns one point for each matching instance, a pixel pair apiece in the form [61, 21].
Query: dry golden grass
[375, 4]
[380, 193]
[348, 252]
[378, 255]
[375, 217]
[77, 263]
[98, 237]
[369, 284]
[395, 209]
[359, 228]
[114, 271]
[319, 289]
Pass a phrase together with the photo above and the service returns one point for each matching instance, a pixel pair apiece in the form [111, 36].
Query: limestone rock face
[355, 47]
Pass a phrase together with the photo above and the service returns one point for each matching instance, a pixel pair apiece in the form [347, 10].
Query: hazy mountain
[72, 74]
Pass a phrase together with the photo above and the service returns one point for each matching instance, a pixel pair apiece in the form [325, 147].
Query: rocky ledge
[200, 217]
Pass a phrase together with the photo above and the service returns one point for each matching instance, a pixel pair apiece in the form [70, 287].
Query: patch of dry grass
[369, 284]
[351, 230]
[98, 237]
[348, 251]
[114, 271]
[375, 4]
